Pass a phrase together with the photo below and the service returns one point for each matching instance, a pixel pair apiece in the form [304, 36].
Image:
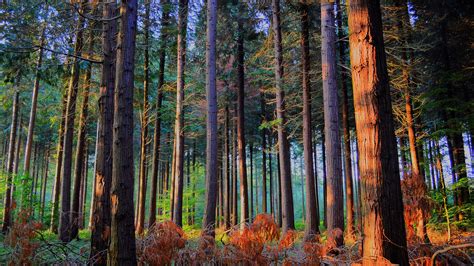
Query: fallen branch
[448, 249]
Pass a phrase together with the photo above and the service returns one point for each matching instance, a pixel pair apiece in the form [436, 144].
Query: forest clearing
[205, 132]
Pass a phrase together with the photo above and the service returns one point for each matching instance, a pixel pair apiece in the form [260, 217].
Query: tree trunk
[383, 223]
[7, 219]
[179, 122]
[325, 180]
[64, 218]
[140, 225]
[101, 219]
[81, 143]
[211, 127]
[264, 154]
[57, 177]
[45, 184]
[157, 133]
[312, 210]
[122, 249]
[335, 208]
[34, 103]
[227, 173]
[345, 127]
[244, 202]
[283, 145]
[234, 174]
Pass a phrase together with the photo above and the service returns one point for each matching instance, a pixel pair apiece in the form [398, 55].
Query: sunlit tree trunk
[382, 207]
[288, 220]
[122, 249]
[64, 217]
[101, 219]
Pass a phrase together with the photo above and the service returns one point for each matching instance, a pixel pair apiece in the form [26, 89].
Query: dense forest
[189, 132]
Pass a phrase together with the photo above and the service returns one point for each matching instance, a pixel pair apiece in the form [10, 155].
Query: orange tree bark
[383, 223]
[122, 249]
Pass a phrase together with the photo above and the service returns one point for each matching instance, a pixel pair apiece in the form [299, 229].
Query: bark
[179, 121]
[251, 213]
[345, 128]
[140, 225]
[244, 202]
[325, 180]
[81, 143]
[57, 177]
[283, 144]
[383, 223]
[234, 175]
[159, 102]
[264, 154]
[44, 184]
[64, 217]
[312, 210]
[335, 208]
[211, 121]
[7, 211]
[122, 249]
[101, 219]
[34, 103]
[227, 173]
[83, 192]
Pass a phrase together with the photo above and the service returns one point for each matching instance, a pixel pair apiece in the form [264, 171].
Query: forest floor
[32, 246]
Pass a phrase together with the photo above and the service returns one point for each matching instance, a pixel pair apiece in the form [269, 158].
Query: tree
[312, 210]
[64, 218]
[34, 103]
[159, 103]
[101, 219]
[283, 144]
[122, 249]
[335, 209]
[211, 140]
[144, 125]
[7, 211]
[383, 223]
[179, 121]
[81, 155]
[345, 127]
[244, 200]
